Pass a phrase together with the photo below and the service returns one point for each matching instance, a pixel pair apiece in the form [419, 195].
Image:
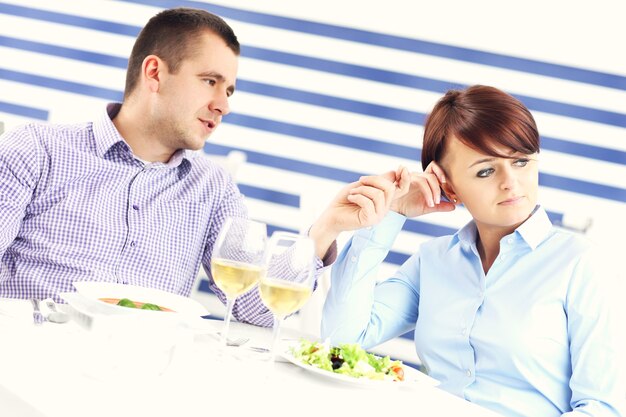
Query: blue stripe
[411, 81]
[70, 86]
[396, 258]
[408, 335]
[286, 164]
[402, 151]
[404, 44]
[425, 228]
[584, 150]
[573, 110]
[68, 19]
[323, 100]
[323, 136]
[350, 70]
[583, 187]
[272, 196]
[383, 76]
[273, 228]
[25, 111]
[64, 52]
[576, 186]
[546, 180]
[555, 218]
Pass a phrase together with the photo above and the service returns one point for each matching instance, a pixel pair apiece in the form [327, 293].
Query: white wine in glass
[238, 261]
[288, 285]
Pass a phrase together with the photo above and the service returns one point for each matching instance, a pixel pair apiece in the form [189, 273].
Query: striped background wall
[327, 94]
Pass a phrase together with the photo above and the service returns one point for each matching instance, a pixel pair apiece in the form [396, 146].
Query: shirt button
[503, 256]
[510, 240]
[464, 332]
[132, 244]
[135, 207]
[353, 259]
[468, 373]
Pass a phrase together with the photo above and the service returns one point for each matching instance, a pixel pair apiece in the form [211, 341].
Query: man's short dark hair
[170, 35]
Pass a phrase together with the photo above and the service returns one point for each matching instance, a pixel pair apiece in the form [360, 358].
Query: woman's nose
[508, 178]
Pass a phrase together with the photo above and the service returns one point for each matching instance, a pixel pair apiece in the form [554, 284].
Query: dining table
[59, 370]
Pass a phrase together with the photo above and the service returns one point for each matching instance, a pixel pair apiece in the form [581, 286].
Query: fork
[56, 316]
[38, 318]
[235, 342]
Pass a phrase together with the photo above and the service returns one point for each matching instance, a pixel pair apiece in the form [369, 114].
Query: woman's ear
[449, 193]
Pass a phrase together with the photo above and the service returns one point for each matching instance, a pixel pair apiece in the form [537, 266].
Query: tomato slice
[399, 372]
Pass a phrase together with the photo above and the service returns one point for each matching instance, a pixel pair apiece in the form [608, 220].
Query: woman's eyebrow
[480, 161]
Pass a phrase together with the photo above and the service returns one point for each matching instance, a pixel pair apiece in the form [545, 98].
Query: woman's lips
[510, 201]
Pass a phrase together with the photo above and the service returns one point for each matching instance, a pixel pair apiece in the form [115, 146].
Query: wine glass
[288, 284]
[238, 261]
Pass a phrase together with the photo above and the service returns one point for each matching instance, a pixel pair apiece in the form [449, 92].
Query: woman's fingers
[375, 195]
[403, 181]
[382, 183]
[434, 168]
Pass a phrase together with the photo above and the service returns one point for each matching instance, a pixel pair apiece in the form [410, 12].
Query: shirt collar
[105, 132]
[107, 136]
[534, 230]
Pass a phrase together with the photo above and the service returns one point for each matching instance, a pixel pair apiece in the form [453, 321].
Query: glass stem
[230, 302]
[275, 336]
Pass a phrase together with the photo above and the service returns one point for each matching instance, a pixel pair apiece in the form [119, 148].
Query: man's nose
[219, 104]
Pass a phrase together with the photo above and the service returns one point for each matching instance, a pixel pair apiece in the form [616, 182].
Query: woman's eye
[521, 162]
[483, 173]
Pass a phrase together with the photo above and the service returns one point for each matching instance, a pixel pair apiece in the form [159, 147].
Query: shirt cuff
[385, 232]
[331, 255]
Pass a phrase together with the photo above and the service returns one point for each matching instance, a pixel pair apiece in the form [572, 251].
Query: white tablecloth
[44, 372]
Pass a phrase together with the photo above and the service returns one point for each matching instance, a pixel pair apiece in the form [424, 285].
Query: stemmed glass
[238, 261]
[288, 285]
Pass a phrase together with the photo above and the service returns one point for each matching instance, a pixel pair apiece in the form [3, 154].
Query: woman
[508, 312]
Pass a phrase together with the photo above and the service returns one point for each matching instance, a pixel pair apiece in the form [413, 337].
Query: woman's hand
[423, 193]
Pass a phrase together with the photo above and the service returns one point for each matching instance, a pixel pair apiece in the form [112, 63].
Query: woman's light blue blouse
[538, 335]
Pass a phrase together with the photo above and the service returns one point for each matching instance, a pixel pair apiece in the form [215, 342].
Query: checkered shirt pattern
[76, 205]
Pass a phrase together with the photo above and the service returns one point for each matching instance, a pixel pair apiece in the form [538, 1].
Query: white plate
[178, 303]
[86, 301]
[412, 376]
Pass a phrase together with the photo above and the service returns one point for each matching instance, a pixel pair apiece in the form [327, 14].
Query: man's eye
[210, 81]
[521, 162]
[484, 173]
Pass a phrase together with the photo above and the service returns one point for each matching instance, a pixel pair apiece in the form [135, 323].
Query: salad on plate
[348, 359]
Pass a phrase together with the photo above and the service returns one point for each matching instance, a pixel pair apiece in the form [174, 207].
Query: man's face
[500, 193]
[190, 103]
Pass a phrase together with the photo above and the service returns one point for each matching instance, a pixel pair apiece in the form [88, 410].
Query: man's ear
[153, 68]
[450, 194]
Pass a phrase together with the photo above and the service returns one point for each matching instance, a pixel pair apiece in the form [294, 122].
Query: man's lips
[210, 124]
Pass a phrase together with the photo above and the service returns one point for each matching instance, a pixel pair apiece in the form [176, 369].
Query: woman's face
[500, 193]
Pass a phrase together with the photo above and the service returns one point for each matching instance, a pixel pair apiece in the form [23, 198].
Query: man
[124, 199]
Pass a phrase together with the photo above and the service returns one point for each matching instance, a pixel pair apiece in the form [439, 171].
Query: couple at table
[508, 312]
